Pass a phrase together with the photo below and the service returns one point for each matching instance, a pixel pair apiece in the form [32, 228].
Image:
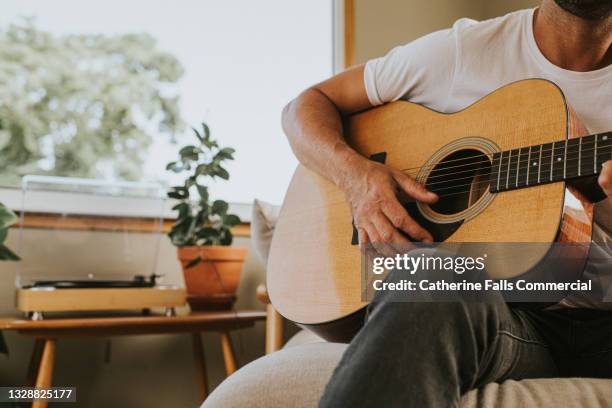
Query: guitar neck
[550, 162]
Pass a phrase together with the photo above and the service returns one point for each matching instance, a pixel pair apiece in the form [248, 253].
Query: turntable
[73, 261]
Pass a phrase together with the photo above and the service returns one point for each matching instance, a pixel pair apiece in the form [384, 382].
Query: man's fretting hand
[372, 191]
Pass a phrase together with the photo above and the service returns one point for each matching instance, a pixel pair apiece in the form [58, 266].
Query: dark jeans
[429, 354]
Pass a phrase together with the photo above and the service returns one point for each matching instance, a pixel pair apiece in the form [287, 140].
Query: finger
[414, 189]
[388, 235]
[364, 239]
[401, 220]
[374, 238]
[605, 178]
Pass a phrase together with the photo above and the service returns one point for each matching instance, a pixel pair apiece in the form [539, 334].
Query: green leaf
[189, 182]
[207, 232]
[203, 191]
[206, 130]
[7, 255]
[226, 153]
[182, 208]
[219, 207]
[231, 220]
[226, 238]
[189, 153]
[198, 134]
[203, 170]
[179, 193]
[221, 172]
[7, 217]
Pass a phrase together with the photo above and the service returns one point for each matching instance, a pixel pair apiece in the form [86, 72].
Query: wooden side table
[47, 332]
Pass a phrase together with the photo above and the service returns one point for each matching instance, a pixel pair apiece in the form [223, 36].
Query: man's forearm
[313, 126]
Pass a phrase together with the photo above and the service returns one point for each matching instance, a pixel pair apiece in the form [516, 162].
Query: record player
[89, 245]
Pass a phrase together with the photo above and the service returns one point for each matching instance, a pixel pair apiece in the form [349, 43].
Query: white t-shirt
[449, 70]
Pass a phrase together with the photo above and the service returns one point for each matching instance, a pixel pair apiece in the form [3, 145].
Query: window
[241, 61]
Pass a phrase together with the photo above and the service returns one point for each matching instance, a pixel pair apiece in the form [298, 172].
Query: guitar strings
[474, 170]
[489, 155]
[481, 162]
[482, 183]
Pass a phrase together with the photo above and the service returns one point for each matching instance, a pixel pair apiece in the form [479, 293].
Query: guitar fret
[508, 173]
[546, 166]
[495, 172]
[595, 161]
[533, 169]
[572, 164]
[540, 164]
[579, 156]
[528, 166]
[552, 161]
[558, 163]
[513, 172]
[587, 155]
[503, 171]
[518, 166]
[565, 160]
[522, 174]
[499, 169]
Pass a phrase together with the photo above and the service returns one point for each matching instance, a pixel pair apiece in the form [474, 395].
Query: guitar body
[314, 274]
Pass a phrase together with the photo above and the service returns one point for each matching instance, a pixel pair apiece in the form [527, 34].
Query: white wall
[382, 24]
[494, 8]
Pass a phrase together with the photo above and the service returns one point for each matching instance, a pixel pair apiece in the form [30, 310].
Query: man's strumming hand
[372, 191]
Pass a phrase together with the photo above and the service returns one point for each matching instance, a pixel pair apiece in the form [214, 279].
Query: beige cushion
[293, 377]
[542, 393]
[263, 220]
[303, 337]
[296, 377]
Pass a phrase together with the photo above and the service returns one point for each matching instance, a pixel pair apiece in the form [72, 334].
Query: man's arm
[313, 125]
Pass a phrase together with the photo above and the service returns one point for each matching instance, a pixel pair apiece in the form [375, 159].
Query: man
[428, 354]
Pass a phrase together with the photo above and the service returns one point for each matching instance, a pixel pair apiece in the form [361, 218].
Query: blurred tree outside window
[82, 105]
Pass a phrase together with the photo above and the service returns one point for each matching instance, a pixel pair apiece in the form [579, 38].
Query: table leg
[228, 353]
[34, 362]
[45, 371]
[198, 353]
[274, 330]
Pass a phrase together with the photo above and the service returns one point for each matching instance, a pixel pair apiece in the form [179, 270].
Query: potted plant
[202, 230]
[7, 218]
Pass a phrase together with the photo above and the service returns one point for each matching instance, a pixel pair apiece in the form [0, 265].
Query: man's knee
[439, 316]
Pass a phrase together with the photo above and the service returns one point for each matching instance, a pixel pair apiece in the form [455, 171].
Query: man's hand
[605, 178]
[372, 190]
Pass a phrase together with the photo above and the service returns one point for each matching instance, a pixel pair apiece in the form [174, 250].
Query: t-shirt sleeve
[419, 71]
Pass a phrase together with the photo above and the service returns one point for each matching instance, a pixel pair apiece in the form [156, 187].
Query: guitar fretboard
[550, 162]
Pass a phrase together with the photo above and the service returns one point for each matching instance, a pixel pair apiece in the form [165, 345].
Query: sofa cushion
[542, 393]
[296, 377]
[303, 337]
[263, 220]
[292, 377]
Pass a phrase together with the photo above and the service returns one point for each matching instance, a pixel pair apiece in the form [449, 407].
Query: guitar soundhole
[460, 180]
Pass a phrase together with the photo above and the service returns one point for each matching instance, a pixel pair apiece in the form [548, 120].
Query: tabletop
[134, 324]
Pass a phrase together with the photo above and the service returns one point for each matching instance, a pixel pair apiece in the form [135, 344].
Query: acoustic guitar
[501, 168]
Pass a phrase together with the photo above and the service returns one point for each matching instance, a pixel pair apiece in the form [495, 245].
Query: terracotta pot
[212, 283]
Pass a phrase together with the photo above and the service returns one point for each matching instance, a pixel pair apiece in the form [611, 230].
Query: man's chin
[587, 9]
